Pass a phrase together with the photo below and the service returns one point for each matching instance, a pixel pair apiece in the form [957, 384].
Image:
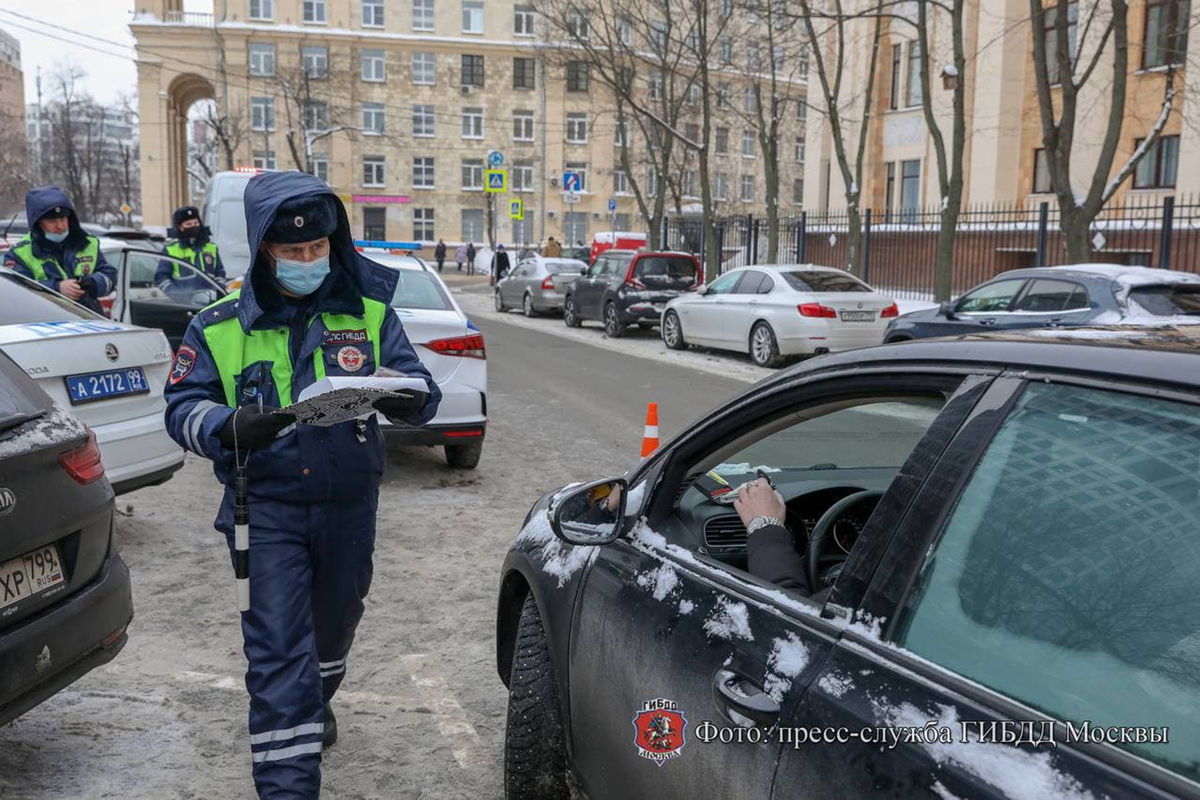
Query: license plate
[102, 385]
[858, 316]
[30, 574]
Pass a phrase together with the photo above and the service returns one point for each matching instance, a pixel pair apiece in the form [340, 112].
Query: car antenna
[8, 227]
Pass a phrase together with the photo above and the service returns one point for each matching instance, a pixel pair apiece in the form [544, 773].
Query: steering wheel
[819, 537]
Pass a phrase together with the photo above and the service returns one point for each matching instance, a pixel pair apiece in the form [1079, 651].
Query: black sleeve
[773, 558]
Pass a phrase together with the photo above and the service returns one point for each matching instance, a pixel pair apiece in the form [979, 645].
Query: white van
[224, 213]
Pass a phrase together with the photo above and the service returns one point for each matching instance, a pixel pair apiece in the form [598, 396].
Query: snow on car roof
[816, 267]
[1130, 276]
[1184, 338]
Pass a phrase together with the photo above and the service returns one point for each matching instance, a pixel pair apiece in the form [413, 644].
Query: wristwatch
[758, 523]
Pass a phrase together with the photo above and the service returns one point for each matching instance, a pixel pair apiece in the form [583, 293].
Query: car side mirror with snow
[946, 309]
[590, 515]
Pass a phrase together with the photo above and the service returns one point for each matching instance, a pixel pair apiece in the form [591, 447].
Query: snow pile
[558, 558]
[787, 660]
[835, 685]
[54, 428]
[659, 582]
[686, 607]
[729, 621]
[868, 625]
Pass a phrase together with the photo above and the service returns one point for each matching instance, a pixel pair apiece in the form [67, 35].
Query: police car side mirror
[590, 515]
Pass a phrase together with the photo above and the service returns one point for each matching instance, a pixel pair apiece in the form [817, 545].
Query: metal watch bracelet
[758, 523]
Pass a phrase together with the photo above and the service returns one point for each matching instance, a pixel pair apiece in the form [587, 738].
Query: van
[619, 240]
[224, 212]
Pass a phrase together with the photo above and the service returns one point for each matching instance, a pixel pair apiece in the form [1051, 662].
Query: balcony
[196, 18]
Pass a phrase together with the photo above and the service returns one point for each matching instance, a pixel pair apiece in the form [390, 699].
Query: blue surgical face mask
[301, 277]
[57, 238]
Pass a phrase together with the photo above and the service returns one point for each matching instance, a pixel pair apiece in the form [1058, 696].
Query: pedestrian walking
[470, 258]
[499, 264]
[58, 253]
[460, 255]
[310, 307]
[439, 253]
[192, 243]
[552, 249]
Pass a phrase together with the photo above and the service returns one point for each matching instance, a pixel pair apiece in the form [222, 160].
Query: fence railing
[189, 18]
[899, 248]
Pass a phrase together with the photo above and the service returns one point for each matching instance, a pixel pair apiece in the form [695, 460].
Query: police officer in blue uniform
[310, 307]
[58, 253]
[191, 243]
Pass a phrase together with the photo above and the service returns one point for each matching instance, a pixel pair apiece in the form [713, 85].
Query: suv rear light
[891, 311]
[816, 310]
[634, 283]
[470, 346]
[548, 283]
[83, 463]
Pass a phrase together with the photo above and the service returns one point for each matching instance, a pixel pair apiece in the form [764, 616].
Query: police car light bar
[393, 246]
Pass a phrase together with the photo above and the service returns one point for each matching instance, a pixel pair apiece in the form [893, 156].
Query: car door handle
[1054, 323]
[739, 694]
[988, 321]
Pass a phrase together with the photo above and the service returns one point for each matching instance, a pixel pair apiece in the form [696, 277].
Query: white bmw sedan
[771, 312]
[110, 375]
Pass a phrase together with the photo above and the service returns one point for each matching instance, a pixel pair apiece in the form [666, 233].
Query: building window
[423, 172]
[656, 85]
[424, 69]
[262, 60]
[575, 227]
[724, 96]
[581, 168]
[620, 182]
[373, 118]
[522, 178]
[522, 229]
[577, 76]
[472, 174]
[262, 113]
[375, 224]
[263, 159]
[1051, 38]
[621, 134]
[692, 131]
[315, 59]
[472, 16]
[1158, 167]
[372, 13]
[472, 123]
[523, 21]
[913, 96]
[523, 72]
[373, 66]
[753, 57]
[577, 128]
[577, 24]
[652, 182]
[897, 72]
[910, 188]
[625, 30]
[423, 123]
[522, 126]
[726, 8]
[373, 171]
[722, 144]
[262, 9]
[472, 70]
[423, 224]
[1041, 172]
[801, 110]
[315, 115]
[748, 143]
[721, 189]
[689, 183]
[725, 49]
[422, 15]
[747, 188]
[471, 222]
[800, 149]
[798, 190]
[749, 100]
[314, 11]
[1165, 40]
[658, 36]
[320, 167]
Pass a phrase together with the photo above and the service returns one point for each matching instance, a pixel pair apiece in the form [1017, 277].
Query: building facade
[14, 162]
[398, 105]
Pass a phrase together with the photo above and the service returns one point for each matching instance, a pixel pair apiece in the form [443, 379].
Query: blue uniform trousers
[310, 569]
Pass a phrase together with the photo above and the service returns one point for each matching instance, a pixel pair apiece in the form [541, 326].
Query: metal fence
[900, 248]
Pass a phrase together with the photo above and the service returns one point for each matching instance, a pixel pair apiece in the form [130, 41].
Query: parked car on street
[452, 348]
[776, 311]
[537, 284]
[1058, 297]
[65, 596]
[982, 520]
[626, 287]
[109, 374]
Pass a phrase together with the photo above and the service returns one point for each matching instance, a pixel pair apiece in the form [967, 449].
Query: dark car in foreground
[1060, 297]
[627, 287]
[64, 591]
[1003, 536]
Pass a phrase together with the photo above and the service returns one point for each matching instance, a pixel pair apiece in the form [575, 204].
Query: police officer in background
[311, 307]
[191, 244]
[58, 253]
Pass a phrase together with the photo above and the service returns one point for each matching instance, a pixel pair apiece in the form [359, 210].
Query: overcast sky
[110, 72]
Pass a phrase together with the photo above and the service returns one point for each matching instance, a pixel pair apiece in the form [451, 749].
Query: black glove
[89, 285]
[402, 404]
[255, 427]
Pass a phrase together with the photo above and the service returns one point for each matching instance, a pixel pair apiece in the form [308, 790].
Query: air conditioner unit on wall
[467, 90]
[551, 213]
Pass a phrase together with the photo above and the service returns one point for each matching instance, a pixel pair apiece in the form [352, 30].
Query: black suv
[625, 287]
[64, 592]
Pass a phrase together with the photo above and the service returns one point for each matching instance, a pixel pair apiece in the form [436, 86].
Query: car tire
[613, 328]
[535, 764]
[570, 315]
[672, 332]
[500, 302]
[646, 326]
[764, 349]
[527, 305]
[464, 456]
[895, 339]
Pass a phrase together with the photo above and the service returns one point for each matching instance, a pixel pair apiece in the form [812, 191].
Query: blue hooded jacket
[58, 260]
[305, 464]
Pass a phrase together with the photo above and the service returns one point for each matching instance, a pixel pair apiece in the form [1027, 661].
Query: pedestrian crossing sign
[496, 180]
[516, 209]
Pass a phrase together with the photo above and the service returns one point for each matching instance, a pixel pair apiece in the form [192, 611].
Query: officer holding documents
[311, 307]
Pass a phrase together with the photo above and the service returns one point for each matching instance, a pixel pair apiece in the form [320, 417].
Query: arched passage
[184, 91]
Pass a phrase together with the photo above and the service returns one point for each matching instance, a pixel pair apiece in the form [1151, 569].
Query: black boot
[330, 737]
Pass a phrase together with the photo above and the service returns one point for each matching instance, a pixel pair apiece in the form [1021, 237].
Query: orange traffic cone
[650, 437]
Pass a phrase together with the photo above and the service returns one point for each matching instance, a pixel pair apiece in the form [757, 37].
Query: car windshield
[821, 281]
[1166, 301]
[23, 301]
[420, 290]
[565, 267]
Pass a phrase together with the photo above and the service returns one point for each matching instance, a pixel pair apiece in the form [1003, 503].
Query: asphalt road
[421, 713]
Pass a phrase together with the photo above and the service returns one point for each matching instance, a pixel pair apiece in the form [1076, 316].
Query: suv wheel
[464, 456]
[570, 316]
[672, 332]
[613, 328]
[535, 764]
[527, 306]
[764, 350]
[500, 302]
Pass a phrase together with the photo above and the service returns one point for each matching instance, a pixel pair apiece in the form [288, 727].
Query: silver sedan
[538, 284]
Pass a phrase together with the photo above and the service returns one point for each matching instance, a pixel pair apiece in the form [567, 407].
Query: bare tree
[16, 175]
[229, 131]
[1058, 71]
[315, 107]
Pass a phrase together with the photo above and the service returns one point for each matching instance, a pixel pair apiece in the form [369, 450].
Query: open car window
[154, 277]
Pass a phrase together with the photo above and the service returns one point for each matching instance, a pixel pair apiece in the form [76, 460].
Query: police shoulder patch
[185, 361]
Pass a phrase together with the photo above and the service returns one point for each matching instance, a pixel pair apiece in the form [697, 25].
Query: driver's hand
[756, 498]
[71, 288]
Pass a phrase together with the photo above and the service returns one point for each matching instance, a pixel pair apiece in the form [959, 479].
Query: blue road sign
[612, 204]
[570, 181]
[495, 158]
